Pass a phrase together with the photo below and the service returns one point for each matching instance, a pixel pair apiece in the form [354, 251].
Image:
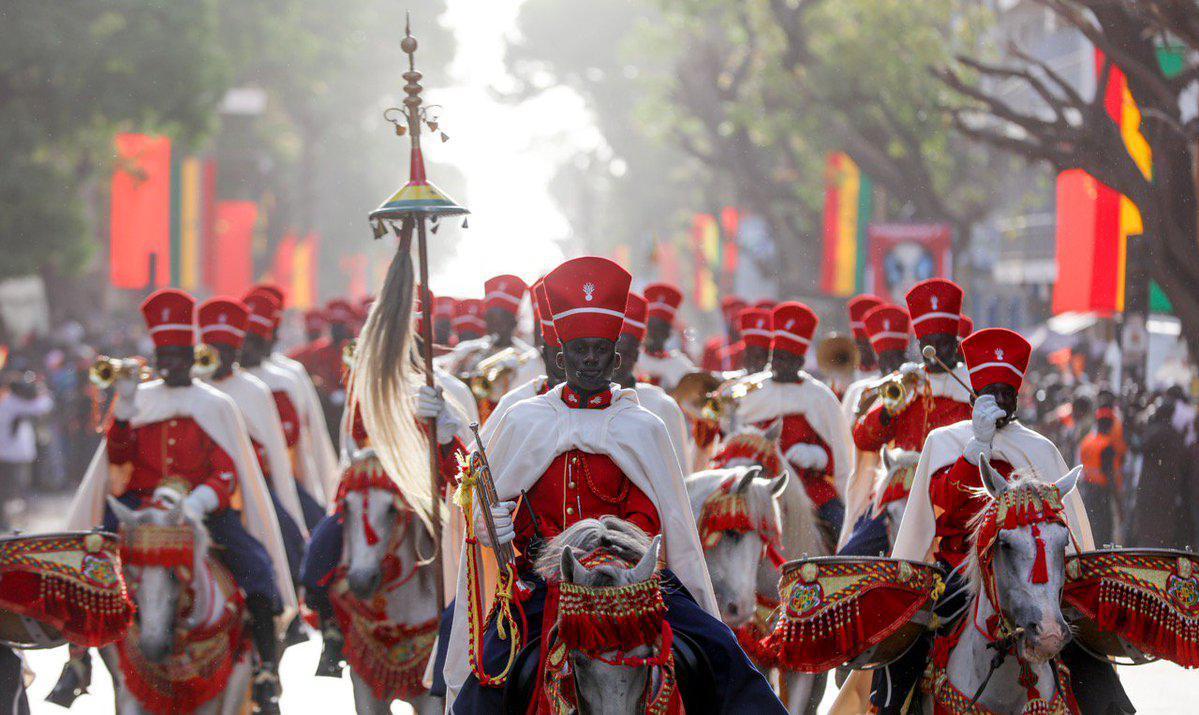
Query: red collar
[597, 402]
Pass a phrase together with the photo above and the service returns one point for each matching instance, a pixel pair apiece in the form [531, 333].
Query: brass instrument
[349, 351]
[730, 392]
[838, 359]
[495, 371]
[107, 370]
[208, 360]
[890, 390]
[693, 391]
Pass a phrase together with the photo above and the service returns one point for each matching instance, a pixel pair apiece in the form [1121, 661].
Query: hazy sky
[506, 152]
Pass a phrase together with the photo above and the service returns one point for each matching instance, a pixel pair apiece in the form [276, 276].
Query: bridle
[727, 510]
[362, 479]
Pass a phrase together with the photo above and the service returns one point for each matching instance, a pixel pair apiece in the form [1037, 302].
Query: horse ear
[125, 515]
[569, 565]
[1066, 484]
[648, 564]
[774, 431]
[747, 478]
[779, 484]
[993, 481]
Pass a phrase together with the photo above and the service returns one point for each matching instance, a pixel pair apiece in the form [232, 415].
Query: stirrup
[330, 663]
[265, 688]
[74, 680]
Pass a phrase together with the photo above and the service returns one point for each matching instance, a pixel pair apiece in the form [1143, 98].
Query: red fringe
[605, 619]
[84, 616]
[1144, 619]
[389, 657]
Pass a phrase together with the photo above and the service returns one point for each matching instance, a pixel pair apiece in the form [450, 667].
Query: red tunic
[910, 427]
[956, 502]
[819, 484]
[322, 359]
[732, 357]
[710, 360]
[289, 417]
[580, 485]
[177, 448]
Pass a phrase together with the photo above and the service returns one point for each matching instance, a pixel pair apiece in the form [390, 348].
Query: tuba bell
[106, 370]
[207, 360]
[838, 359]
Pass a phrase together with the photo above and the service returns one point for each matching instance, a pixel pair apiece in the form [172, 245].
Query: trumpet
[890, 390]
[725, 397]
[495, 371]
[107, 370]
[208, 360]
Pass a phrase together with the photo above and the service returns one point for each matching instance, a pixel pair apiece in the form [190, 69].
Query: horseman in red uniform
[314, 325]
[659, 365]
[502, 297]
[583, 450]
[443, 320]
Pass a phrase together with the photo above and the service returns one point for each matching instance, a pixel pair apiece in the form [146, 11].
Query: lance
[415, 203]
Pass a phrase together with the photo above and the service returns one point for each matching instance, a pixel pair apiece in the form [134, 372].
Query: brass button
[571, 485]
[170, 461]
[171, 440]
[570, 510]
[173, 423]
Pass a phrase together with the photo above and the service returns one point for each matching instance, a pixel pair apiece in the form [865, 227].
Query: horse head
[750, 446]
[1018, 555]
[377, 524]
[597, 563]
[739, 523]
[162, 548]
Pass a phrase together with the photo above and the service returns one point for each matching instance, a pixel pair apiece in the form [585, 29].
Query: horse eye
[734, 536]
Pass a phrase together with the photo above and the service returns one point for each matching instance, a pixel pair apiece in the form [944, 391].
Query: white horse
[1029, 603]
[894, 486]
[385, 556]
[185, 612]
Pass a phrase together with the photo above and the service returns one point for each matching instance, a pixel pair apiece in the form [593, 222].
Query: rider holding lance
[657, 365]
[586, 449]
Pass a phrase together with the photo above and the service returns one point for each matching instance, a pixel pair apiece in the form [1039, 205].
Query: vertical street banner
[705, 244]
[139, 249]
[730, 255]
[209, 261]
[304, 285]
[1094, 221]
[284, 263]
[234, 239]
[186, 223]
[354, 266]
[903, 254]
[848, 206]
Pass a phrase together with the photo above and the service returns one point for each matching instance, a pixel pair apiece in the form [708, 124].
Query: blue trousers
[313, 512]
[742, 688]
[320, 558]
[868, 538]
[244, 556]
[832, 513]
[293, 539]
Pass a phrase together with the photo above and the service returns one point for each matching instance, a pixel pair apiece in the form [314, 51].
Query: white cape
[817, 403]
[466, 354]
[458, 394]
[535, 431]
[522, 391]
[655, 399]
[312, 414]
[313, 468]
[220, 419]
[1015, 444]
[667, 370]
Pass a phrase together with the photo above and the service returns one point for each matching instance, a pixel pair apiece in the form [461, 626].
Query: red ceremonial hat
[418, 308]
[443, 307]
[935, 306]
[340, 311]
[274, 290]
[766, 304]
[587, 296]
[314, 320]
[755, 327]
[859, 306]
[996, 356]
[263, 313]
[731, 307]
[888, 327]
[468, 313]
[794, 324]
[635, 311]
[222, 321]
[505, 292]
[965, 326]
[662, 300]
[544, 315]
[168, 314]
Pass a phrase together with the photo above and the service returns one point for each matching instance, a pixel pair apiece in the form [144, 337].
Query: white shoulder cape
[817, 403]
[666, 370]
[528, 438]
[258, 409]
[655, 399]
[309, 466]
[522, 391]
[313, 415]
[220, 419]
[1015, 444]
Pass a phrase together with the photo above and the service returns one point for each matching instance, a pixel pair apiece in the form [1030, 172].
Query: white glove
[201, 502]
[807, 456]
[430, 404]
[501, 514]
[909, 368]
[125, 388]
[986, 414]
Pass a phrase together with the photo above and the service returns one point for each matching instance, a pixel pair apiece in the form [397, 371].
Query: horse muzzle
[364, 582]
[1043, 642]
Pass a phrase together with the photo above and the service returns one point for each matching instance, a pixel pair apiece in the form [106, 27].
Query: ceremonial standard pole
[415, 202]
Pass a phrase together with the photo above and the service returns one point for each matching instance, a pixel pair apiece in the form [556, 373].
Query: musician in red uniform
[723, 353]
[468, 320]
[934, 398]
[659, 365]
[443, 320]
[607, 456]
[503, 295]
[756, 336]
[314, 325]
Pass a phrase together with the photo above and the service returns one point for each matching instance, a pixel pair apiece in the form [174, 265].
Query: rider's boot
[295, 634]
[266, 687]
[76, 676]
[330, 664]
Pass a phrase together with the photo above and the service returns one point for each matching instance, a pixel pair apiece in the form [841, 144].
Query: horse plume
[382, 381]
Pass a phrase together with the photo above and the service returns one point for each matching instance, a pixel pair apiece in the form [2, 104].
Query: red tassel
[371, 537]
[1040, 567]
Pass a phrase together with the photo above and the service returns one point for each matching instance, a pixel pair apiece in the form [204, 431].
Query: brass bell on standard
[859, 611]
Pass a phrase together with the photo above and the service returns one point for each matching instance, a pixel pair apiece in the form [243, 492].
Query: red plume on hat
[794, 325]
[222, 321]
[935, 306]
[263, 313]
[858, 307]
[168, 314]
[888, 327]
[996, 356]
[588, 296]
[545, 315]
[505, 292]
[635, 312]
[662, 301]
[755, 327]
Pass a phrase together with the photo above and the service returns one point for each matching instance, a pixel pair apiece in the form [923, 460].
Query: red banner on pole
[234, 231]
[284, 263]
[140, 228]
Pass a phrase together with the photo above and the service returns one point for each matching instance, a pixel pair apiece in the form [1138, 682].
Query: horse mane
[1019, 479]
[613, 534]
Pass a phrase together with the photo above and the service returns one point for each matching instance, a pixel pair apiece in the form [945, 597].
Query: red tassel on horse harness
[371, 537]
[1040, 568]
